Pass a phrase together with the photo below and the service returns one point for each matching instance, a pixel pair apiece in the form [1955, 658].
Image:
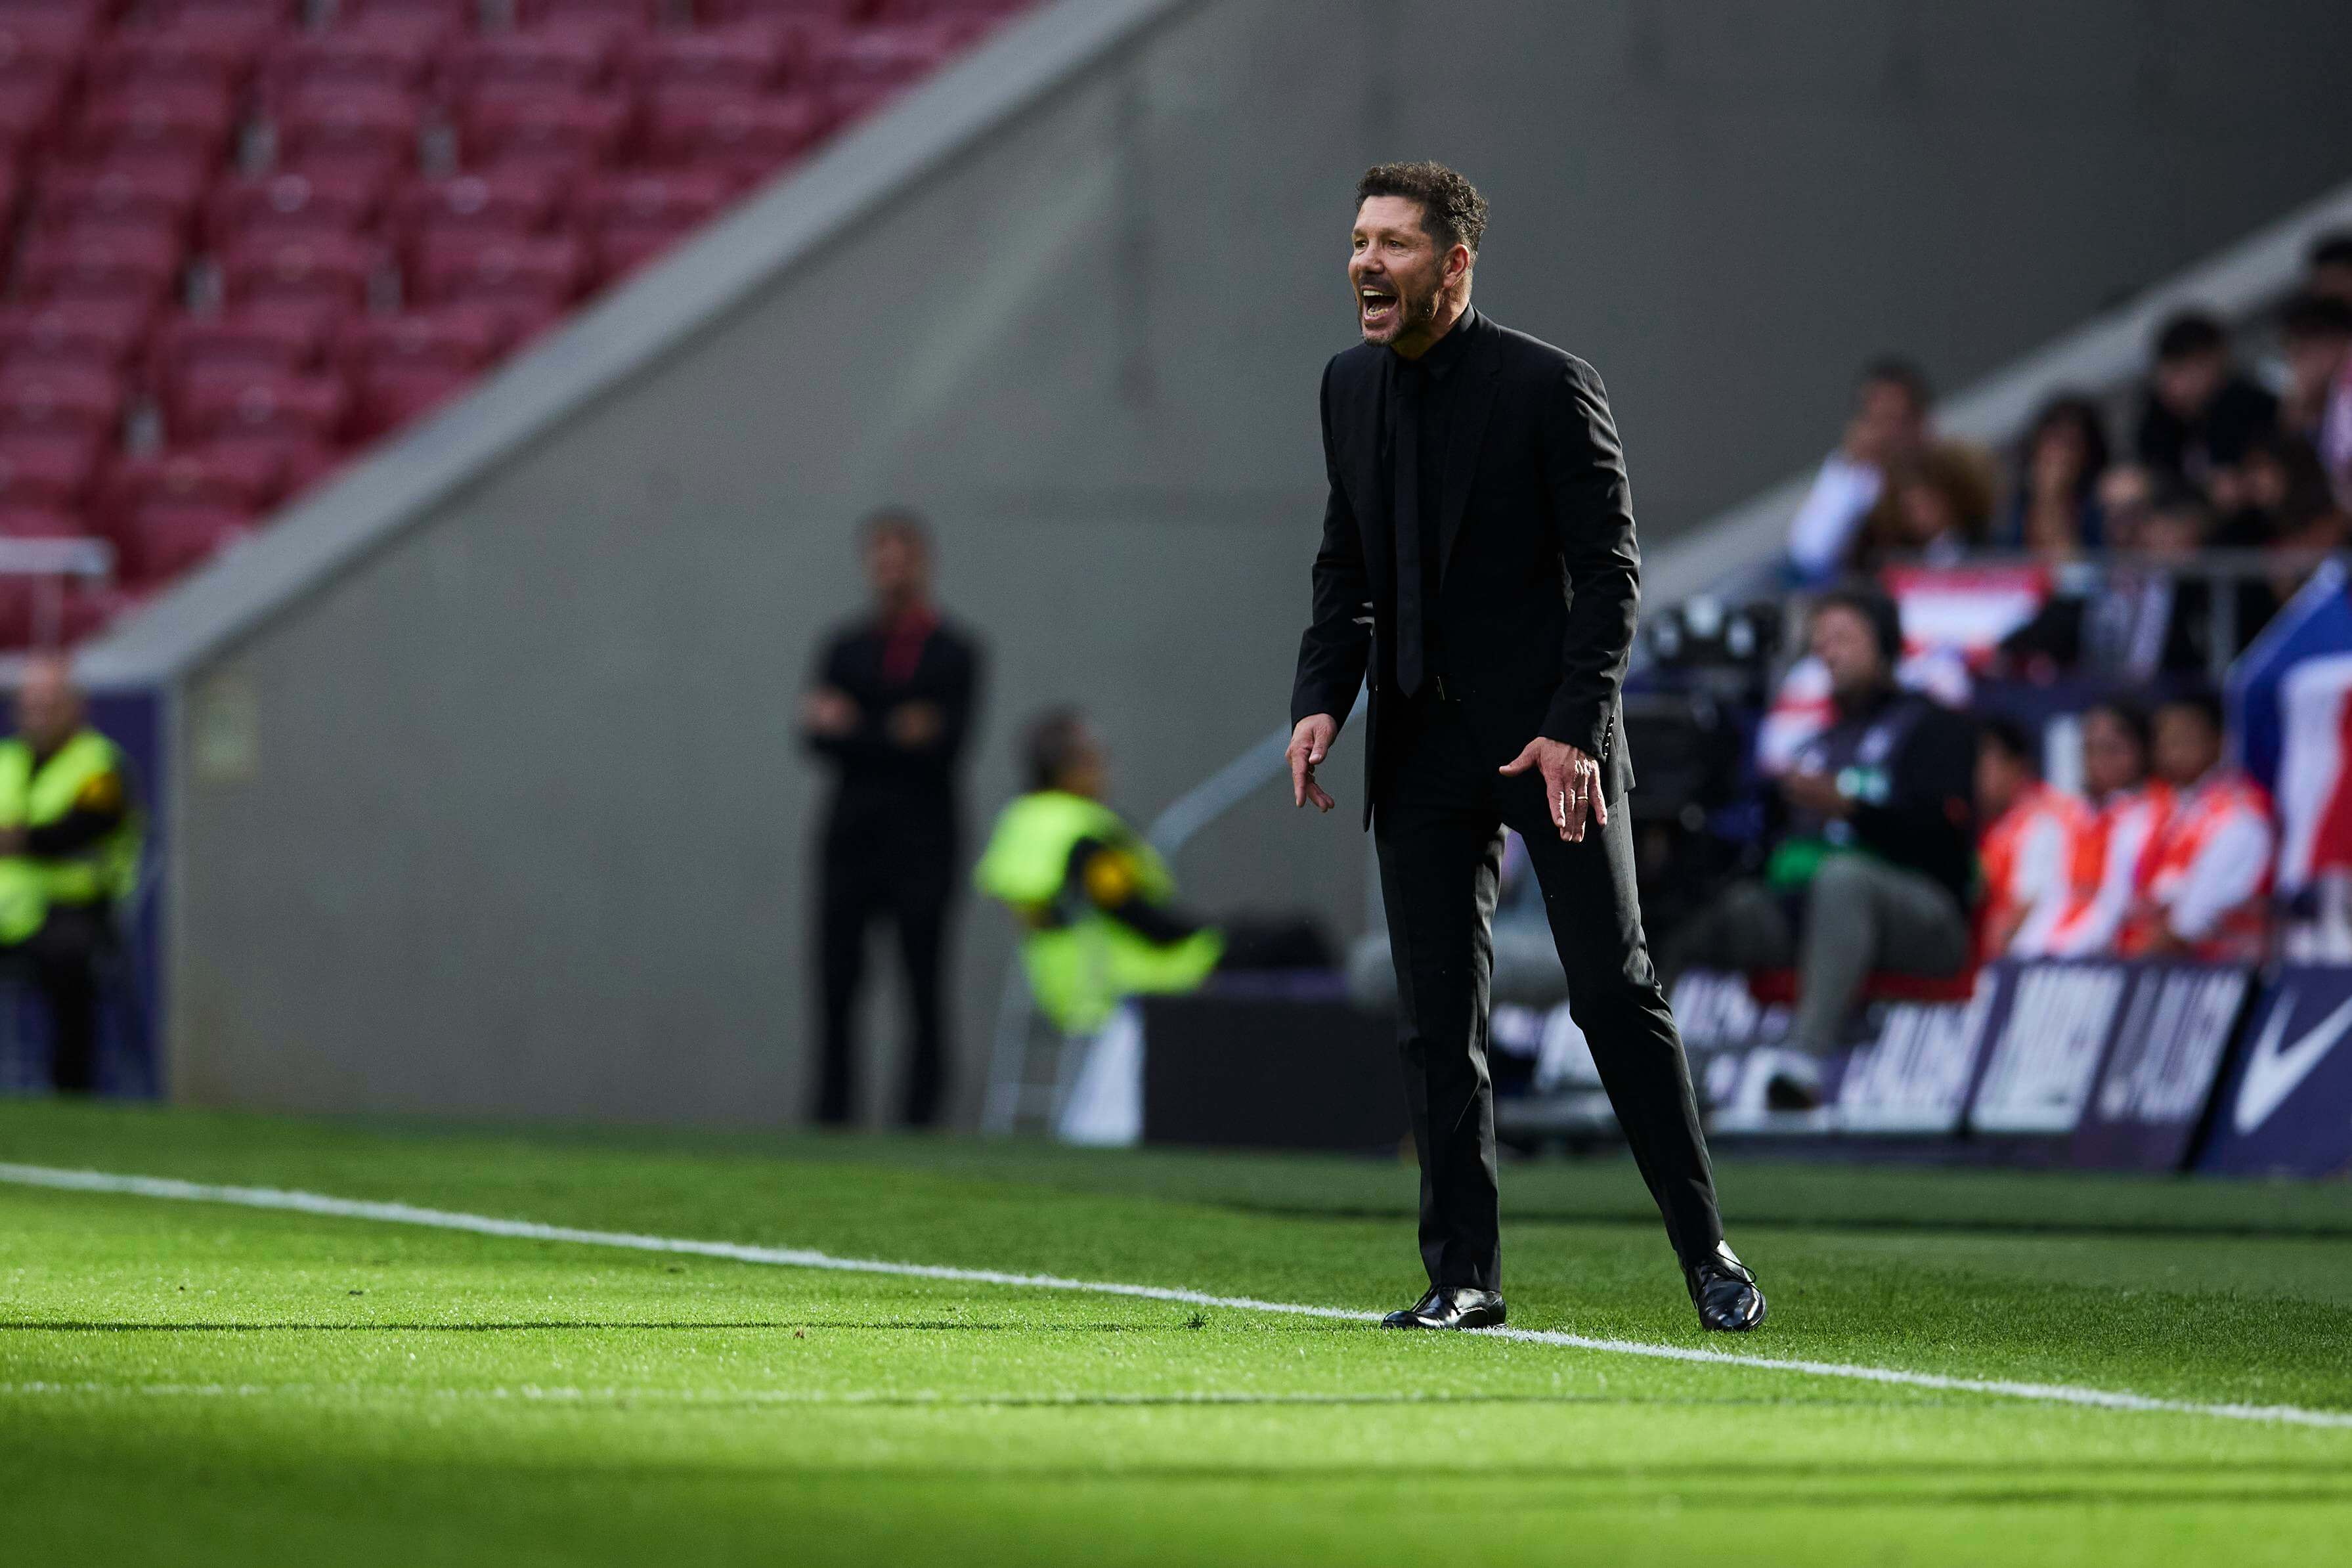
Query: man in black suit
[1478, 566]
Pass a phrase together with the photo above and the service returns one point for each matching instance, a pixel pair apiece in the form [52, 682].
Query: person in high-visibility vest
[1095, 902]
[69, 838]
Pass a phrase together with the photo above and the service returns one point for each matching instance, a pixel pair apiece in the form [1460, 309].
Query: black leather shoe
[1725, 1292]
[1450, 1307]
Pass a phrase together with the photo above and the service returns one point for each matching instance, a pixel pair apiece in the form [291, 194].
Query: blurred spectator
[2202, 884]
[2027, 853]
[2314, 335]
[2283, 485]
[2056, 512]
[2201, 414]
[889, 709]
[1876, 848]
[1934, 509]
[69, 845]
[2126, 492]
[1889, 422]
[2330, 266]
[2127, 806]
[2152, 615]
[1095, 903]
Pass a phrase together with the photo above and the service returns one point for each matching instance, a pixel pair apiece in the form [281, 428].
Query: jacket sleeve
[1102, 876]
[1336, 650]
[100, 807]
[1593, 524]
[1929, 784]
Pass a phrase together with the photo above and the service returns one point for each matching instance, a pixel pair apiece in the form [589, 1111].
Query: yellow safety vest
[1080, 962]
[109, 869]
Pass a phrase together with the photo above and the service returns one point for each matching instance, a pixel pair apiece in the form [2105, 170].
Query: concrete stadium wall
[507, 816]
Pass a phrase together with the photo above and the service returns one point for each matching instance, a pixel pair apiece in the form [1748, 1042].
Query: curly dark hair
[1452, 211]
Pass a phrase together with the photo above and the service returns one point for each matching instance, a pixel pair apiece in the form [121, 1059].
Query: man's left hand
[1571, 784]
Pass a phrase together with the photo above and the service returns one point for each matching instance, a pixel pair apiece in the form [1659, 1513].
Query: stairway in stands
[248, 238]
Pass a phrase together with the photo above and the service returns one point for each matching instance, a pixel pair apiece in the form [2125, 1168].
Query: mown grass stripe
[294, 1202]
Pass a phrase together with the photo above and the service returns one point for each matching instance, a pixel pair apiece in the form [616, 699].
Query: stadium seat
[60, 399]
[30, 112]
[348, 199]
[44, 43]
[347, 126]
[509, 201]
[327, 267]
[460, 339]
[281, 336]
[100, 334]
[1779, 986]
[243, 476]
[37, 522]
[172, 123]
[117, 262]
[549, 269]
[454, 13]
[837, 12]
[215, 402]
[53, 470]
[391, 395]
[746, 58]
[565, 59]
[533, 128]
[634, 13]
[396, 50]
[164, 539]
[744, 135]
[190, 52]
[145, 195]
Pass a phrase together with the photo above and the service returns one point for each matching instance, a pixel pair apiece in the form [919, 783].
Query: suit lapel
[1371, 487]
[1483, 367]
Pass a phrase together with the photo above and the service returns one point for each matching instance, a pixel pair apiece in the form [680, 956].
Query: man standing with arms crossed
[1478, 566]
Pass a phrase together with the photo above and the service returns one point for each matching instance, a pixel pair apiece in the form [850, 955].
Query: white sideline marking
[803, 1258]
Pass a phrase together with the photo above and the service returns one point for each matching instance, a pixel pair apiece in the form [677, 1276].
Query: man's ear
[1458, 264]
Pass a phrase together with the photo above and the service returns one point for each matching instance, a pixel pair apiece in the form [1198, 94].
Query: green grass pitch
[194, 1383]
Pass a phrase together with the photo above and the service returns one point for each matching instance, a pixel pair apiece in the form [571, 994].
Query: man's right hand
[1309, 743]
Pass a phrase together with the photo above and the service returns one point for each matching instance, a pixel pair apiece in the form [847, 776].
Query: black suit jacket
[1540, 574]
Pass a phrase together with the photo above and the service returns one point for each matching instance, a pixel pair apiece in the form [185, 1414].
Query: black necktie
[1407, 512]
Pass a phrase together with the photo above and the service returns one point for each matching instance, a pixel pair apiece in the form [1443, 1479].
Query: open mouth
[1377, 304]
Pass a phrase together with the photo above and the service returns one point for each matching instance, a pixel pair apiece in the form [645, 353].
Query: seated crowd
[1910, 842]
[2217, 458]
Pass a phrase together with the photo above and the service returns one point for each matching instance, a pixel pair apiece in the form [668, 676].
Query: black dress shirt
[1440, 395]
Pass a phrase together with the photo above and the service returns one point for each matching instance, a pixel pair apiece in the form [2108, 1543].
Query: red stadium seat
[54, 469]
[144, 196]
[392, 395]
[347, 126]
[243, 476]
[279, 337]
[43, 44]
[839, 12]
[117, 262]
[327, 267]
[215, 402]
[557, 132]
[249, 16]
[456, 13]
[631, 13]
[574, 58]
[37, 522]
[60, 399]
[29, 111]
[511, 201]
[746, 136]
[663, 198]
[173, 122]
[395, 50]
[458, 338]
[495, 270]
[311, 201]
[748, 58]
[162, 540]
[100, 334]
[192, 52]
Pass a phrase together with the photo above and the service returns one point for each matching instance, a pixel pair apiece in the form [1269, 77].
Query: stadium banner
[2286, 1106]
[2050, 1025]
[1907, 1072]
[2172, 1036]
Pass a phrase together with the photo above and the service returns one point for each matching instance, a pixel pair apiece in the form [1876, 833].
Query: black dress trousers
[1437, 821]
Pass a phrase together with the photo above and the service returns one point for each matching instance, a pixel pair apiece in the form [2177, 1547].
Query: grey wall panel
[524, 829]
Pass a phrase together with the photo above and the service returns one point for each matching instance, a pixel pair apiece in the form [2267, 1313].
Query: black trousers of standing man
[865, 881]
[1437, 821]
